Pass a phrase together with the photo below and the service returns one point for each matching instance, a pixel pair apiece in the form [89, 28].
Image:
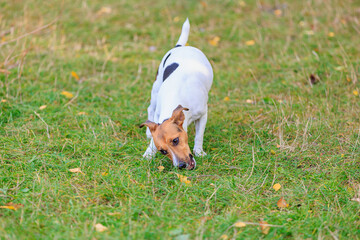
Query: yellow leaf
[214, 41]
[76, 170]
[183, 179]
[67, 94]
[100, 228]
[249, 101]
[82, 113]
[104, 10]
[42, 107]
[339, 68]
[74, 74]
[239, 224]
[278, 12]
[276, 187]
[356, 93]
[8, 207]
[176, 19]
[282, 203]
[301, 23]
[3, 100]
[250, 43]
[226, 99]
[242, 4]
[272, 152]
[331, 34]
[104, 173]
[348, 79]
[278, 146]
[204, 4]
[211, 184]
[224, 237]
[161, 168]
[264, 227]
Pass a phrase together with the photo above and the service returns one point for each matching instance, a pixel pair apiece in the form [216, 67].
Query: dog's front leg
[150, 151]
[199, 135]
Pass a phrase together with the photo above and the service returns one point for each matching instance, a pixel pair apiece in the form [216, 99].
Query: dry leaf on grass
[161, 168]
[226, 99]
[3, 100]
[74, 74]
[264, 227]
[12, 206]
[282, 203]
[114, 213]
[276, 187]
[250, 43]
[331, 34]
[356, 92]
[249, 101]
[100, 228]
[214, 41]
[278, 12]
[104, 10]
[42, 107]
[76, 170]
[183, 179]
[82, 113]
[239, 224]
[67, 94]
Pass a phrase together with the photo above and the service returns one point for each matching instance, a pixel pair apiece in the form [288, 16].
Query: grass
[274, 127]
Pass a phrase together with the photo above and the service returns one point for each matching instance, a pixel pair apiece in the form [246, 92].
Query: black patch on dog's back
[178, 45]
[169, 70]
[166, 59]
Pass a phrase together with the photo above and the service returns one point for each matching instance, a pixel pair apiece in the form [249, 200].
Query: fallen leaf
[264, 227]
[356, 93]
[309, 32]
[278, 146]
[242, 4]
[356, 200]
[331, 34]
[67, 94]
[226, 99]
[250, 43]
[239, 224]
[183, 179]
[74, 74]
[8, 207]
[3, 100]
[276, 187]
[214, 41]
[176, 19]
[313, 79]
[42, 107]
[249, 101]
[204, 4]
[82, 113]
[301, 23]
[272, 152]
[161, 168]
[104, 173]
[278, 12]
[76, 170]
[348, 79]
[104, 10]
[224, 237]
[100, 228]
[339, 68]
[114, 213]
[4, 71]
[282, 203]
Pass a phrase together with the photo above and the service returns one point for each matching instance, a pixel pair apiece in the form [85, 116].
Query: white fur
[188, 85]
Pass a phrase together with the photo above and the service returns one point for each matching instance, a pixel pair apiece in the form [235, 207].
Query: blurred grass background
[284, 108]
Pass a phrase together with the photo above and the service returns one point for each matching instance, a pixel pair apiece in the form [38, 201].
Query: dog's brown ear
[178, 116]
[151, 125]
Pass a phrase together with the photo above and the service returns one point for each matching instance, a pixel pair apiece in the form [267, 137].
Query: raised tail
[184, 34]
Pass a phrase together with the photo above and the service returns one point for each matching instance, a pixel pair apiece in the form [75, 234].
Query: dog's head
[171, 139]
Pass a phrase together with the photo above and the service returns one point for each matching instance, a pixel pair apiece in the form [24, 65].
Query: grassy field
[284, 108]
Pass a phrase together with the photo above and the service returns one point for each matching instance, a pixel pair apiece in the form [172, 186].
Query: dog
[184, 78]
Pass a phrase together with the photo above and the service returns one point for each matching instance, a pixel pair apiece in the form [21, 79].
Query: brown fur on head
[171, 139]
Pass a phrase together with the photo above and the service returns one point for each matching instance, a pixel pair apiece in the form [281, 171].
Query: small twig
[47, 126]
[262, 224]
[29, 33]
[252, 169]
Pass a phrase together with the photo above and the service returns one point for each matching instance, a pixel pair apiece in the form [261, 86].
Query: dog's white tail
[184, 34]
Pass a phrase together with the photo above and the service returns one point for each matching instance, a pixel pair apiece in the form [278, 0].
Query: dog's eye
[163, 151]
[175, 141]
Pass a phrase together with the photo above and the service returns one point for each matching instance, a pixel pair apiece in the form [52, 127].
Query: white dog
[184, 78]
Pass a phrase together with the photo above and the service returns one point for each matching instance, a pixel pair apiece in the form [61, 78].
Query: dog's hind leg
[199, 135]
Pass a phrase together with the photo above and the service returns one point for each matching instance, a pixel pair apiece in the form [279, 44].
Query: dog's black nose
[182, 165]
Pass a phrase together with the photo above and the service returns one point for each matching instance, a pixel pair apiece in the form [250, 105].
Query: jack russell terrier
[184, 78]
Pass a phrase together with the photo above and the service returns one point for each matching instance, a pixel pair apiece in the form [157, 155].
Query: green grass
[305, 137]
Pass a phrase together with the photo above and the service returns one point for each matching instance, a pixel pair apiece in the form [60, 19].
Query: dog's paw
[199, 152]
